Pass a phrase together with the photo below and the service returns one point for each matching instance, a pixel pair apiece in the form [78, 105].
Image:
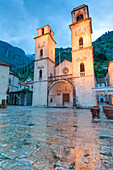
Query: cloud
[19, 20]
[17, 24]
[101, 24]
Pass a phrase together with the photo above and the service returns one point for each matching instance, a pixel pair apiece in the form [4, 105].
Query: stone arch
[82, 67]
[40, 74]
[41, 53]
[79, 16]
[81, 42]
[56, 85]
[57, 81]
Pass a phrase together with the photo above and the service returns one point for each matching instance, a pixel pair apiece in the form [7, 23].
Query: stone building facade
[70, 83]
[13, 82]
[20, 98]
[101, 82]
[4, 78]
[110, 72]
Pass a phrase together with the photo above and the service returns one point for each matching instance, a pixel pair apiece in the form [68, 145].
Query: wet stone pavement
[34, 138]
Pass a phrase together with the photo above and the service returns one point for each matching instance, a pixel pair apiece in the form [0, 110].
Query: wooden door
[66, 98]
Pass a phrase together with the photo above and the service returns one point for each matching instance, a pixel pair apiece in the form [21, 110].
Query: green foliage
[25, 71]
[25, 89]
[62, 54]
[103, 53]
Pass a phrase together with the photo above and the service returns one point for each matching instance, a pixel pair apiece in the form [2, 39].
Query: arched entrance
[61, 93]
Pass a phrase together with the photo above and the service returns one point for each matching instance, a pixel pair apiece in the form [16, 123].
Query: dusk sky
[19, 20]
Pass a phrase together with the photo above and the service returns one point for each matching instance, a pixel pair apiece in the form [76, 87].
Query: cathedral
[70, 83]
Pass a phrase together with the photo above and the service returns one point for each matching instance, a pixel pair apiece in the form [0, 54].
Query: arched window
[40, 74]
[80, 18]
[41, 53]
[80, 43]
[42, 31]
[82, 69]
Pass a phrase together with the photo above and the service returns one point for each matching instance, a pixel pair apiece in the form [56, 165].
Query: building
[107, 82]
[104, 89]
[22, 86]
[13, 82]
[110, 72]
[30, 84]
[70, 83]
[4, 79]
[21, 97]
[101, 82]
[29, 79]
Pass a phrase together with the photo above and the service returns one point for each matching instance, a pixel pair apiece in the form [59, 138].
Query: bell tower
[82, 56]
[44, 65]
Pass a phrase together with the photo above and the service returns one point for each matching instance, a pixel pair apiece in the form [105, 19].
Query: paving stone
[51, 138]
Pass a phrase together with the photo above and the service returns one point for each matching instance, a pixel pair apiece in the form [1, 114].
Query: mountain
[13, 55]
[103, 53]
[31, 56]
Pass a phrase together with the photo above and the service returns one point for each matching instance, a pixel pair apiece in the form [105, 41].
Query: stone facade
[4, 78]
[110, 72]
[70, 83]
[20, 98]
[22, 85]
[13, 82]
[101, 82]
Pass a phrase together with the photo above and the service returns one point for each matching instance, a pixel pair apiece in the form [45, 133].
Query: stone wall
[13, 86]
[110, 71]
[4, 79]
[85, 98]
[40, 93]
[65, 64]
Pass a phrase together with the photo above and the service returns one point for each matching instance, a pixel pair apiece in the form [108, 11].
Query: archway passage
[60, 93]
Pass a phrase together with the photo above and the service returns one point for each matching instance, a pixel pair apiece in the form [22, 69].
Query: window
[42, 31]
[82, 69]
[80, 43]
[80, 18]
[41, 53]
[9, 81]
[65, 70]
[40, 74]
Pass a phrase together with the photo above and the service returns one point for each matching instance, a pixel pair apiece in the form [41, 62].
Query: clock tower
[82, 56]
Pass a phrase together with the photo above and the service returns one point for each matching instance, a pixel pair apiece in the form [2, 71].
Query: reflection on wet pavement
[44, 138]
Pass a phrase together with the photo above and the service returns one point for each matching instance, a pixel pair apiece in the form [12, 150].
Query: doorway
[66, 98]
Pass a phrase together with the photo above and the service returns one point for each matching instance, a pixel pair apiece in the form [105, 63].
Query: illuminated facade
[110, 72]
[70, 83]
